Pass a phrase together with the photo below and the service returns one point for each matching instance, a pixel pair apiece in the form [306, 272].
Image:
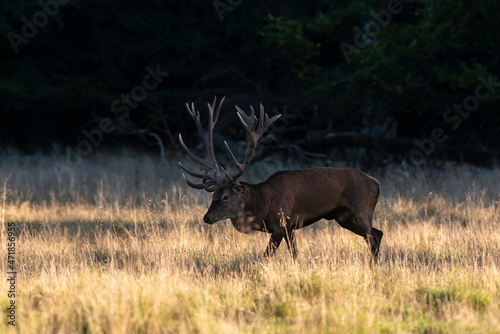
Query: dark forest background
[64, 78]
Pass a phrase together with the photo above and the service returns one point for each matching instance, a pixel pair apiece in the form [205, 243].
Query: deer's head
[228, 192]
[226, 203]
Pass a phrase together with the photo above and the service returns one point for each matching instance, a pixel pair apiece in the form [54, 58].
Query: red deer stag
[287, 200]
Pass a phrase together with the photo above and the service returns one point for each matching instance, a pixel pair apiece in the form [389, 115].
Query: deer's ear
[239, 188]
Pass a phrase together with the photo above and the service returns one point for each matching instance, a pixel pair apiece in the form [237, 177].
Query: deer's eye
[225, 198]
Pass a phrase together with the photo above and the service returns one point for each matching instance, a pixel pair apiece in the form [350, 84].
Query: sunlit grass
[118, 246]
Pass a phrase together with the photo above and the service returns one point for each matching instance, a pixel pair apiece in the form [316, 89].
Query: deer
[287, 200]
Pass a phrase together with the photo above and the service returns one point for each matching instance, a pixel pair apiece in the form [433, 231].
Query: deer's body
[287, 200]
[290, 200]
[303, 197]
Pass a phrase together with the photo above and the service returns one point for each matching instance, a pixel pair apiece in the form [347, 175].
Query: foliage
[426, 59]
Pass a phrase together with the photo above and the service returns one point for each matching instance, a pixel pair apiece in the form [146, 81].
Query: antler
[254, 129]
[209, 182]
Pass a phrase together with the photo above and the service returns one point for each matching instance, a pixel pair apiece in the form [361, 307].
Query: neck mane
[253, 208]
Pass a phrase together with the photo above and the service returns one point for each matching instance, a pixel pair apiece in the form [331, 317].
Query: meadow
[118, 245]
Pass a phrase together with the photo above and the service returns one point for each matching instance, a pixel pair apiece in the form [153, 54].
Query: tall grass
[118, 246]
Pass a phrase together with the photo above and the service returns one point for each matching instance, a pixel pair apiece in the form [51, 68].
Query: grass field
[118, 246]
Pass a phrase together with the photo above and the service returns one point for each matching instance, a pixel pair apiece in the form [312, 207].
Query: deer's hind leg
[361, 225]
[372, 236]
[374, 242]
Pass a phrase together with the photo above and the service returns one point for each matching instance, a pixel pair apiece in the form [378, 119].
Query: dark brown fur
[289, 200]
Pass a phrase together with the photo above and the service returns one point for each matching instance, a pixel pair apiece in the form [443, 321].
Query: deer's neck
[253, 209]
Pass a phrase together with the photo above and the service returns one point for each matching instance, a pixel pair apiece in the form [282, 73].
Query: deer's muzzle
[208, 220]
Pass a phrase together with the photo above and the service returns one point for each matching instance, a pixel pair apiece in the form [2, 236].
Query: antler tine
[248, 121]
[254, 132]
[209, 141]
[198, 175]
[211, 114]
[191, 155]
[189, 110]
[263, 117]
[195, 115]
[207, 184]
[210, 182]
[218, 108]
[235, 162]
[191, 184]
[265, 121]
[228, 176]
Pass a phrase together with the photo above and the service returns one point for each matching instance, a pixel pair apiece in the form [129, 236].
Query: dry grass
[119, 247]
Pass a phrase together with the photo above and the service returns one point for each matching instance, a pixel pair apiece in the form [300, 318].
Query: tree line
[405, 68]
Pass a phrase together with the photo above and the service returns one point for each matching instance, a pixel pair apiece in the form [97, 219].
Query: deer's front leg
[274, 243]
